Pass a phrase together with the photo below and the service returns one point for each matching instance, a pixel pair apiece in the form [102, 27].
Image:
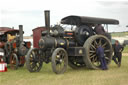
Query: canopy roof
[78, 20]
[5, 30]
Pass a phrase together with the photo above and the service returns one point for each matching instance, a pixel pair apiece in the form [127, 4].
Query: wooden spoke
[107, 58]
[104, 44]
[95, 43]
[95, 59]
[107, 51]
[93, 46]
[100, 41]
[91, 51]
[93, 56]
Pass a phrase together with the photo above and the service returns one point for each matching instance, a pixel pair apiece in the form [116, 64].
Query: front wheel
[59, 61]
[14, 61]
[33, 60]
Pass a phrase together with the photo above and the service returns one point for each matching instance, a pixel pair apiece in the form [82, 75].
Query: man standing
[117, 53]
[100, 54]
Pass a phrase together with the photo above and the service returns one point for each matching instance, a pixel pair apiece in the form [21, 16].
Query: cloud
[30, 13]
[113, 3]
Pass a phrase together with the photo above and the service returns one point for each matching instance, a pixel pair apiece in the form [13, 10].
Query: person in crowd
[117, 53]
[100, 54]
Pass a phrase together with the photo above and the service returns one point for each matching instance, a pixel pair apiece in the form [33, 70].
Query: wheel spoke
[95, 59]
[107, 51]
[33, 65]
[100, 41]
[104, 44]
[92, 51]
[95, 42]
[93, 46]
[92, 56]
[106, 58]
[33, 54]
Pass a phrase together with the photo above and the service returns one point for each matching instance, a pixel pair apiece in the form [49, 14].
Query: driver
[99, 29]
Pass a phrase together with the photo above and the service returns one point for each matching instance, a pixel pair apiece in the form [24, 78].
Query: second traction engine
[75, 47]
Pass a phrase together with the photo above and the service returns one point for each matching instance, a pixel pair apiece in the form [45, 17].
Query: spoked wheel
[59, 61]
[76, 62]
[14, 61]
[91, 59]
[33, 60]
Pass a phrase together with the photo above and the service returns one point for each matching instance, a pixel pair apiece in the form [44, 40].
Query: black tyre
[33, 60]
[76, 62]
[59, 61]
[91, 59]
[14, 61]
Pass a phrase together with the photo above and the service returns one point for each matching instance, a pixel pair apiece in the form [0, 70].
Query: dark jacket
[117, 48]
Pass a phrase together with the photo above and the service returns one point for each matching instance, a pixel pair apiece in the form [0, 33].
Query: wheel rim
[13, 61]
[105, 45]
[59, 61]
[75, 63]
[93, 59]
[33, 61]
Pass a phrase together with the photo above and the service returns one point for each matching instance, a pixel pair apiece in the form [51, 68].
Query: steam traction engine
[12, 46]
[76, 48]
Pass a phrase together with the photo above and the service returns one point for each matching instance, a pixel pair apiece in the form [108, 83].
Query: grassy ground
[125, 49]
[119, 34]
[113, 76]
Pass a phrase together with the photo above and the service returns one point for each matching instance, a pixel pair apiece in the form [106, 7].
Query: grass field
[113, 76]
[125, 49]
[119, 34]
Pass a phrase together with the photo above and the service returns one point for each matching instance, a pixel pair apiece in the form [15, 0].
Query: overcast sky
[30, 13]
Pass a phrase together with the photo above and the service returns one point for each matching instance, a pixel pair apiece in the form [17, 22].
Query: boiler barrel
[50, 42]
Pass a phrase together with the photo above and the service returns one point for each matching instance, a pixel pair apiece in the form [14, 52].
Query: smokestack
[47, 19]
[21, 32]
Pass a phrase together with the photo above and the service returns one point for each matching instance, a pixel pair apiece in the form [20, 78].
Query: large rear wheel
[91, 59]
